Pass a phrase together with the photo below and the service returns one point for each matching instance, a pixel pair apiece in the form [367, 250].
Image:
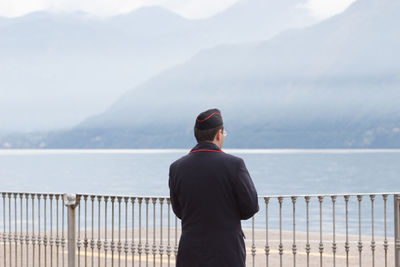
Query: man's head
[209, 127]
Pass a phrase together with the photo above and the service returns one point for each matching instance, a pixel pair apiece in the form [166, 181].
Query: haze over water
[145, 172]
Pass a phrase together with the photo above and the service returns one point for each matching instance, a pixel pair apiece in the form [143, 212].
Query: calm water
[145, 172]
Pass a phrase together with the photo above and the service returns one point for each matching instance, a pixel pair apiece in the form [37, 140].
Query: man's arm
[174, 200]
[246, 193]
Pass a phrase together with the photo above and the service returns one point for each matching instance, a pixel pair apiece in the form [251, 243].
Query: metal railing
[30, 236]
[45, 229]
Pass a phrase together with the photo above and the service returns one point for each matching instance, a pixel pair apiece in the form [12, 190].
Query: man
[211, 192]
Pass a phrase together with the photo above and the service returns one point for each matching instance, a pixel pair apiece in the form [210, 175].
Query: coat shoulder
[224, 157]
[178, 162]
[233, 159]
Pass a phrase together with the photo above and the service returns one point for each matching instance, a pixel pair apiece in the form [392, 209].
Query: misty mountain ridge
[301, 57]
[334, 84]
[59, 68]
[331, 85]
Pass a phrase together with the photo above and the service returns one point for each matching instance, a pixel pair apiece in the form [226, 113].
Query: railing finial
[70, 199]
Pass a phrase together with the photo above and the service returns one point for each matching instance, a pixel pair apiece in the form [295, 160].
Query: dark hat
[209, 119]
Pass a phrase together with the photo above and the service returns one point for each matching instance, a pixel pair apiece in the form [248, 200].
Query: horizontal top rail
[150, 196]
[330, 195]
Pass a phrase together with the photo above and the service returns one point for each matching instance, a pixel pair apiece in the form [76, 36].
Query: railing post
[71, 203]
[397, 230]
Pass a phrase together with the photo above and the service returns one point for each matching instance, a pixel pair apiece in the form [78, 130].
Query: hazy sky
[187, 8]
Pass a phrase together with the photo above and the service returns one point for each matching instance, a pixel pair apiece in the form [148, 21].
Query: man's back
[211, 192]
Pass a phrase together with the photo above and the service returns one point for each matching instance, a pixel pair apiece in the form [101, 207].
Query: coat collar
[205, 147]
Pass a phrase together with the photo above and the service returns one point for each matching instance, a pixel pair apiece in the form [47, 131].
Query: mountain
[255, 20]
[331, 85]
[56, 69]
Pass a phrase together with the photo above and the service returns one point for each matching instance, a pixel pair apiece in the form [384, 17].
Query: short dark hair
[206, 135]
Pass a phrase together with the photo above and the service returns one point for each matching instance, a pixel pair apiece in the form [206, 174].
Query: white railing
[46, 229]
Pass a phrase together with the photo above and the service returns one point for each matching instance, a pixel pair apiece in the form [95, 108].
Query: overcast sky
[187, 8]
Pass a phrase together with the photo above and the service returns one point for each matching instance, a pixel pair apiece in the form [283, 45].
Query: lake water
[145, 173]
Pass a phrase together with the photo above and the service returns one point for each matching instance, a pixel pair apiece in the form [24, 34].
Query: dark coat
[211, 192]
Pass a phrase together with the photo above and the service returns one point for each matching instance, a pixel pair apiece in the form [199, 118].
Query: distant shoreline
[183, 151]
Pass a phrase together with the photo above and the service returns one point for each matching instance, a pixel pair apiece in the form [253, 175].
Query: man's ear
[217, 136]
